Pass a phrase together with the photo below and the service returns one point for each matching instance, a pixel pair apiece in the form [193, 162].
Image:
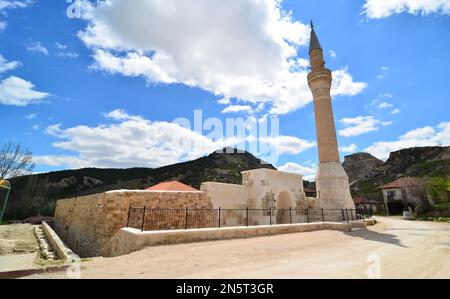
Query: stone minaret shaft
[319, 80]
[333, 191]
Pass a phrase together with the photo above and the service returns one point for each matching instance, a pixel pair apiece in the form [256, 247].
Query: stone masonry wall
[87, 224]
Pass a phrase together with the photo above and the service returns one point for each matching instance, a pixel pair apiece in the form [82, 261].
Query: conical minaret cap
[314, 43]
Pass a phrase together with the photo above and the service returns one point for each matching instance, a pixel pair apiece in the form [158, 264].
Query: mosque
[265, 188]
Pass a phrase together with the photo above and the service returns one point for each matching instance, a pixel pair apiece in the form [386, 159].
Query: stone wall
[226, 196]
[87, 224]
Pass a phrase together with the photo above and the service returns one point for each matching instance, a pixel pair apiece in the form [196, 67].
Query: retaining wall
[87, 224]
[128, 240]
[62, 251]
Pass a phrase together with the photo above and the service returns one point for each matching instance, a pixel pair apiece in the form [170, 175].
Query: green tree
[438, 189]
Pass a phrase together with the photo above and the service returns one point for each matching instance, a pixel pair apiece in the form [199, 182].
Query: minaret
[333, 190]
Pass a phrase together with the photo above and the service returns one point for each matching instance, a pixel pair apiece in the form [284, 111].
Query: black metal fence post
[143, 220]
[186, 218]
[128, 220]
[247, 216]
[162, 219]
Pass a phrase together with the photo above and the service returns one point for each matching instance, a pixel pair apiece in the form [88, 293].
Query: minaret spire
[331, 180]
[314, 43]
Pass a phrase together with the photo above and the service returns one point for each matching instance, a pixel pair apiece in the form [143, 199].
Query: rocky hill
[37, 194]
[367, 173]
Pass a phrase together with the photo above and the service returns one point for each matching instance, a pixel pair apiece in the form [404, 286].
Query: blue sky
[103, 89]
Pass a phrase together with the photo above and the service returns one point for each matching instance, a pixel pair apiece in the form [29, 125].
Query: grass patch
[435, 219]
[442, 206]
[48, 263]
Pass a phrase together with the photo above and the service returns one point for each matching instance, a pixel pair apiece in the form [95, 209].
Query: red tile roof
[404, 182]
[358, 200]
[171, 186]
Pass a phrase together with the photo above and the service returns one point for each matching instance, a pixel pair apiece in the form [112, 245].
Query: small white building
[261, 189]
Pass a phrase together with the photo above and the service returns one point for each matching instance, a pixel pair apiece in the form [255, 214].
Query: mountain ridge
[37, 194]
[367, 173]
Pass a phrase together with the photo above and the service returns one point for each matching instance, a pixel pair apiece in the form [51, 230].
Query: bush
[438, 189]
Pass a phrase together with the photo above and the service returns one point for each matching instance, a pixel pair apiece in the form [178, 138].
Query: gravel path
[392, 249]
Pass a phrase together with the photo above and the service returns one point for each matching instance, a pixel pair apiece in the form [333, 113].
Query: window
[391, 195]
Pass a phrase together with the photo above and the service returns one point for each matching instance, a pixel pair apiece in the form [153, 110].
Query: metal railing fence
[147, 219]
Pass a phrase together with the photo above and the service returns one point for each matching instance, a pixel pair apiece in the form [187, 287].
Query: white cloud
[67, 54]
[247, 51]
[427, 136]
[396, 111]
[383, 73]
[343, 84]
[358, 126]
[6, 66]
[31, 116]
[16, 91]
[63, 51]
[224, 101]
[9, 4]
[237, 108]
[132, 141]
[60, 46]
[308, 172]
[349, 149]
[377, 9]
[289, 144]
[332, 54]
[66, 161]
[385, 105]
[37, 47]
[118, 114]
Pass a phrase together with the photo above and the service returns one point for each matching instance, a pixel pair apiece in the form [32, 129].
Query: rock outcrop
[362, 166]
[367, 173]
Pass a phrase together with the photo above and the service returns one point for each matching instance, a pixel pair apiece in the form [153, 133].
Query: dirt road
[392, 249]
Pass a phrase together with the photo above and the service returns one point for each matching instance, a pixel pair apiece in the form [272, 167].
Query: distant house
[406, 191]
[310, 192]
[370, 205]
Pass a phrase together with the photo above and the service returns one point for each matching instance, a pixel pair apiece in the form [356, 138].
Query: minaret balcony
[320, 75]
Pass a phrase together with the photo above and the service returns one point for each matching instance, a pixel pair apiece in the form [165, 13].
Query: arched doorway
[284, 202]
